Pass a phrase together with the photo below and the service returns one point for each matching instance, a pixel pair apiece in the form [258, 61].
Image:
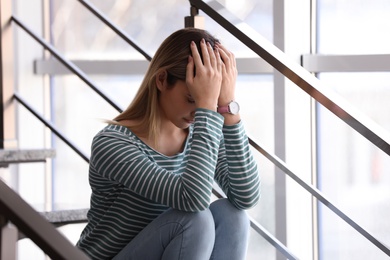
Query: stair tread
[63, 217]
[25, 155]
[66, 216]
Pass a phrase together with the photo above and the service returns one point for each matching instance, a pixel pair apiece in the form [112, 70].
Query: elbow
[255, 200]
[196, 203]
[248, 199]
[247, 204]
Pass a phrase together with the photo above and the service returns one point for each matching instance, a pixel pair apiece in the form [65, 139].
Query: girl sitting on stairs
[153, 167]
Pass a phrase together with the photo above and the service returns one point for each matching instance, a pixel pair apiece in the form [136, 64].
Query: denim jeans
[220, 232]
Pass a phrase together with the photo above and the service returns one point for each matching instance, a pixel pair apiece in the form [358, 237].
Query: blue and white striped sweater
[132, 183]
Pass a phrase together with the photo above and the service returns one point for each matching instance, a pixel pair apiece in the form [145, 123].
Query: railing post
[8, 239]
[7, 114]
[8, 233]
[194, 20]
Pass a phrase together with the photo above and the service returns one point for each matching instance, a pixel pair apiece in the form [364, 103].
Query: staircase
[19, 221]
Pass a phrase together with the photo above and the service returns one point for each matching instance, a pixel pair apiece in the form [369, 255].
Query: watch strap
[223, 109]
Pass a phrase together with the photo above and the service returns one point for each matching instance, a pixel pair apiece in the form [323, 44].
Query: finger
[218, 59]
[228, 54]
[205, 52]
[224, 55]
[223, 47]
[195, 55]
[190, 70]
[226, 60]
[213, 60]
[229, 60]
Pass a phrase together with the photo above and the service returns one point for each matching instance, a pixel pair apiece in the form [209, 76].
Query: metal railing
[278, 60]
[302, 78]
[52, 127]
[311, 85]
[34, 226]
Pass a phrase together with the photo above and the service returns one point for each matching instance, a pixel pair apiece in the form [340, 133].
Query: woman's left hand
[229, 76]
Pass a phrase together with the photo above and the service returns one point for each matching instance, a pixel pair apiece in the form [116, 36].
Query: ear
[161, 79]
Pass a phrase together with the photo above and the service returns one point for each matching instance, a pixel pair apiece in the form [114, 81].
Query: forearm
[238, 174]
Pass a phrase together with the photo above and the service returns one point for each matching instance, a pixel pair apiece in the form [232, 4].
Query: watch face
[234, 107]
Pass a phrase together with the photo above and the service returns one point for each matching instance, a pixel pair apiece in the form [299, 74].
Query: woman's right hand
[205, 85]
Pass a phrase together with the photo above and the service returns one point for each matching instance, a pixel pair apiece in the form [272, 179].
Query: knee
[203, 221]
[200, 224]
[225, 214]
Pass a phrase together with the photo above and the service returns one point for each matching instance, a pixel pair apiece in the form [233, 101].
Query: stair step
[65, 217]
[8, 156]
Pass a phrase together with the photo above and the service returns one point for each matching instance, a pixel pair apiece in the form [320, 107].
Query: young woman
[152, 169]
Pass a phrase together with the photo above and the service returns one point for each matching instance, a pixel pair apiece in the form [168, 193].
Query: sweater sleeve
[236, 172]
[115, 158]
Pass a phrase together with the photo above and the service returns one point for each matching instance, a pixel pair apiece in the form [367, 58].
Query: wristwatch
[232, 108]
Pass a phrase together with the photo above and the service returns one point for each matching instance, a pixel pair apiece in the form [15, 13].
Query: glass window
[353, 172]
[353, 27]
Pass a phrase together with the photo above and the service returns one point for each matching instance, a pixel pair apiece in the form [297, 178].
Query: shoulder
[116, 142]
[116, 132]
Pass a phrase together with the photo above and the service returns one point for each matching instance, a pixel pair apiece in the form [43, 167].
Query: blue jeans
[220, 232]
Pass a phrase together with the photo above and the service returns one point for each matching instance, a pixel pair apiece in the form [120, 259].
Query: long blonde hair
[172, 57]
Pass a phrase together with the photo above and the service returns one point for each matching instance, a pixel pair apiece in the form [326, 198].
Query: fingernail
[192, 43]
[203, 41]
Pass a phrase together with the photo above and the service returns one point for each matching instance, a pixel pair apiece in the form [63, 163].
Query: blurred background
[349, 170]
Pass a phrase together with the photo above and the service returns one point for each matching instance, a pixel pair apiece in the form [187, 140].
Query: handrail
[66, 63]
[117, 30]
[302, 78]
[51, 127]
[34, 226]
[308, 83]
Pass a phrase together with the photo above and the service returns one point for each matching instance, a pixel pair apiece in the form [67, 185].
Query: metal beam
[133, 67]
[117, 30]
[77, 71]
[319, 196]
[280, 84]
[346, 63]
[52, 127]
[194, 20]
[311, 62]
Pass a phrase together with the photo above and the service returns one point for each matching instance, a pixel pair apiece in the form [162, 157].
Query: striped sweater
[132, 183]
